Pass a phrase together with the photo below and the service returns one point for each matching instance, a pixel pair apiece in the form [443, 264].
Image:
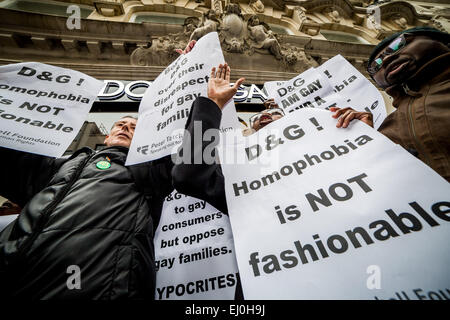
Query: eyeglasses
[395, 46]
[271, 112]
[270, 104]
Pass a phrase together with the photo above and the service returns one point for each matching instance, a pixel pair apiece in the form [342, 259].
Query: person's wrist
[219, 103]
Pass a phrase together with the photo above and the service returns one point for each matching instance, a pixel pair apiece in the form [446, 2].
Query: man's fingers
[339, 112]
[349, 118]
[366, 117]
[346, 115]
[369, 115]
[238, 83]
[342, 118]
[227, 77]
[213, 72]
[192, 44]
[219, 71]
[224, 71]
[189, 46]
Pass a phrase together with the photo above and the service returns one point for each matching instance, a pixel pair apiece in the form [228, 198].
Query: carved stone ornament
[295, 59]
[440, 23]
[256, 5]
[190, 24]
[210, 24]
[233, 31]
[161, 52]
[109, 8]
[443, 13]
[373, 19]
[311, 29]
[332, 14]
[366, 3]
[236, 35]
[299, 15]
[261, 38]
[217, 6]
[399, 21]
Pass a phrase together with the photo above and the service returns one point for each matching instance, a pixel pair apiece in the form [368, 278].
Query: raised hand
[219, 89]
[348, 114]
[188, 48]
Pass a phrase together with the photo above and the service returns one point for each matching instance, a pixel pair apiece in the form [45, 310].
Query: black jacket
[203, 181]
[74, 213]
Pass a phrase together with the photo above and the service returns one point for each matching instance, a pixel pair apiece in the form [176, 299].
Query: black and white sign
[194, 251]
[344, 214]
[42, 107]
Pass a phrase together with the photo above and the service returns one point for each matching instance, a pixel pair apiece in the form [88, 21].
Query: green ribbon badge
[103, 165]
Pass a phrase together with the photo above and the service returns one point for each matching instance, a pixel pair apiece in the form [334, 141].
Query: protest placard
[309, 89]
[165, 107]
[336, 81]
[5, 220]
[355, 88]
[194, 252]
[347, 214]
[43, 107]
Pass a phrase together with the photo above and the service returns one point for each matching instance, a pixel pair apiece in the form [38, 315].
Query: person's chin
[121, 143]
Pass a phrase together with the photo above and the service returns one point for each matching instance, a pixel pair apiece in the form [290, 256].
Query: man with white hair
[87, 224]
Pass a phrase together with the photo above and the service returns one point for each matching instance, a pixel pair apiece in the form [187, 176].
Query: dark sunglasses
[396, 45]
[270, 104]
[271, 112]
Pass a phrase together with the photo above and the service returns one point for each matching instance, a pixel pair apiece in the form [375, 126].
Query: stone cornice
[122, 72]
[402, 7]
[32, 23]
[318, 5]
[102, 48]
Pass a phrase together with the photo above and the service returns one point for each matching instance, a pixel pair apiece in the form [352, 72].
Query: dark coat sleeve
[154, 177]
[200, 180]
[22, 174]
[155, 181]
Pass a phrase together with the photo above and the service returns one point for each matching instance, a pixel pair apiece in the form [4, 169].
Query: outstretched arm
[192, 175]
[24, 174]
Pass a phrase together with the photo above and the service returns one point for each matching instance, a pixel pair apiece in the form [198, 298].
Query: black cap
[426, 31]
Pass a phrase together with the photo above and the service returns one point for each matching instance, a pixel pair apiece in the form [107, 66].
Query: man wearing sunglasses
[413, 67]
[270, 113]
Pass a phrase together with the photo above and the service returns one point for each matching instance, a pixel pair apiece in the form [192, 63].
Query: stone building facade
[134, 40]
[262, 40]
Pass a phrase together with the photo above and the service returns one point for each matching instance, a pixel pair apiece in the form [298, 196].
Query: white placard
[355, 88]
[42, 107]
[346, 214]
[309, 89]
[165, 107]
[348, 87]
[5, 220]
[194, 252]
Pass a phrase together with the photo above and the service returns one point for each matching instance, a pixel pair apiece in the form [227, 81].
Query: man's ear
[104, 142]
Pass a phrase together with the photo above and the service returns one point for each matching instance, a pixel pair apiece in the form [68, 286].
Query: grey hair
[128, 116]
